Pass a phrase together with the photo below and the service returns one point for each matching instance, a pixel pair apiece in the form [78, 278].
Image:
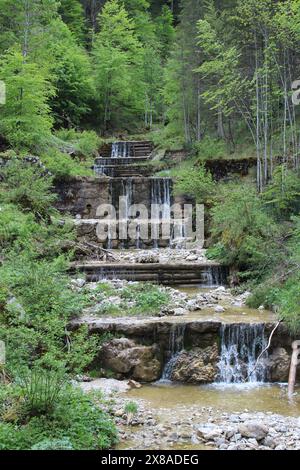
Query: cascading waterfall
[241, 344]
[215, 276]
[121, 150]
[161, 202]
[127, 193]
[103, 170]
[176, 345]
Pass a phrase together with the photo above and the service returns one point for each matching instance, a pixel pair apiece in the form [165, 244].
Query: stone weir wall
[185, 351]
[206, 275]
[83, 195]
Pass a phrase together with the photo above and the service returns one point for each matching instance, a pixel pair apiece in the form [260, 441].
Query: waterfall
[161, 202]
[176, 345]
[127, 192]
[241, 345]
[121, 150]
[103, 170]
[215, 276]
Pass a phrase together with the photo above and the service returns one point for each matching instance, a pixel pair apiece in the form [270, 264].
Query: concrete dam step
[204, 275]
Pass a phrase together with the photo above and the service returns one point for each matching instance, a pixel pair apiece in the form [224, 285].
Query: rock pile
[251, 431]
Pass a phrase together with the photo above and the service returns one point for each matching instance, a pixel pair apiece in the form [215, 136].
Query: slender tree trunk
[221, 132]
[259, 172]
[198, 110]
[26, 29]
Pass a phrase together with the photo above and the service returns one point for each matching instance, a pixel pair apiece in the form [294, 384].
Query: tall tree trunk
[221, 132]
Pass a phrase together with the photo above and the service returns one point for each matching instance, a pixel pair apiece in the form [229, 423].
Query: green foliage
[25, 119]
[39, 333]
[117, 56]
[282, 195]
[72, 14]
[209, 148]
[76, 421]
[245, 236]
[263, 294]
[287, 298]
[135, 299]
[288, 301]
[53, 444]
[41, 390]
[147, 298]
[131, 408]
[195, 181]
[63, 166]
[72, 77]
[27, 187]
[84, 144]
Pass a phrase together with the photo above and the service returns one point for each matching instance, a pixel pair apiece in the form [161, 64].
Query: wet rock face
[125, 357]
[198, 366]
[278, 364]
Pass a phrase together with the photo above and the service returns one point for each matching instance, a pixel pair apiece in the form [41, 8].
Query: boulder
[209, 432]
[124, 356]
[253, 429]
[196, 366]
[219, 309]
[278, 364]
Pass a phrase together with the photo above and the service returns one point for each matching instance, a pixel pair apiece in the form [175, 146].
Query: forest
[215, 80]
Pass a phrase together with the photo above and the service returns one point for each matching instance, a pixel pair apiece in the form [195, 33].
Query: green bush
[27, 187]
[41, 390]
[210, 148]
[263, 294]
[196, 182]
[244, 235]
[148, 298]
[63, 166]
[40, 334]
[288, 301]
[282, 195]
[54, 444]
[76, 421]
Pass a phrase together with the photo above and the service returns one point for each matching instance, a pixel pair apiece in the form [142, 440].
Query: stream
[178, 409]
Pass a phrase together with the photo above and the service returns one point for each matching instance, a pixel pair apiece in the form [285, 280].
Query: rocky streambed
[181, 417]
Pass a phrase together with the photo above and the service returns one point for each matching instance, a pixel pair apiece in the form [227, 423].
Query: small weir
[204, 276]
[241, 345]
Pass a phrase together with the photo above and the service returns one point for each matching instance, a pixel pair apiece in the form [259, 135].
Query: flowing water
[224, 398]
[160, 206]
[176, 345]
[241, 345]
[121, 150]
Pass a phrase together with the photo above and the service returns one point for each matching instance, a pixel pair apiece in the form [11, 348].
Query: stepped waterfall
[240, 347]
[121, 150]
